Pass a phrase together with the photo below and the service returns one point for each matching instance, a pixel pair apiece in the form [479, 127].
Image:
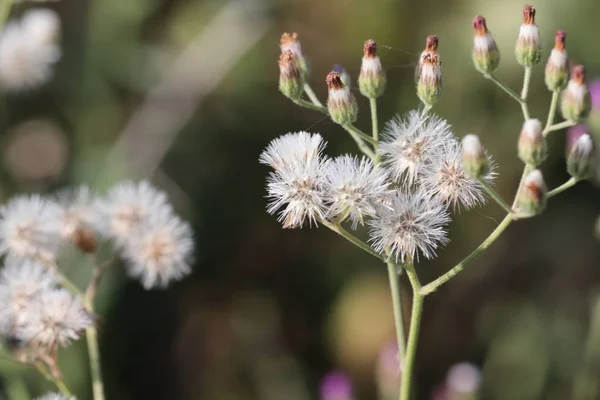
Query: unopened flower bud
[486, 55]
[575, 99]
[341, 103]
[290, 83]
[532, 195]
[529, 45]
[532, 144]
[429, 87]
[431, 45]
[475, 162]
[557, 68]
[371, 80]
[346, 79]
[580, 163]
[290, 42]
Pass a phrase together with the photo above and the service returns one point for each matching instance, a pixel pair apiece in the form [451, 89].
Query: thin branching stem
[312, 96]
[358, 138]
[337, 228]
[310, 106]
[568, 184]
[495, 195]
[413, 334]
[504, 87]
[397, 307]
[552, 111]
[58, 381]
[559, 126]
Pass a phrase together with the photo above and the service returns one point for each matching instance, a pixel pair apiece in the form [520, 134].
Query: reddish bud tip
[479, 25]
[430, 59]
[578, 74]
[288, 38]
[431, 44]
[529, 15]
[370, 49]
[334, 81]
[559, 39]
[286, 58]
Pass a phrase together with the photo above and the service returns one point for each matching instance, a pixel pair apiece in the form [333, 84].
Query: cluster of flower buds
[486, 55]
[557, 68]
[580, 162]
[293, 67]
[531, 199]
[429, 73]
[575, 99]
[371, 80]
[532, 144]
[529, 47]
[341, 103]
[475, 161]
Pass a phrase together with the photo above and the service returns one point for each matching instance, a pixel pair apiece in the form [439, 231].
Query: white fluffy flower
[447, 179]
[126, 206]
[28, 50]
[410, 143]
[76, 211]
[291, 148]
[20, 284]
[413, 223]
[54, 396]
[161, 252]
[353, 187]
[28, 229]
[296, 185]
[56, 318]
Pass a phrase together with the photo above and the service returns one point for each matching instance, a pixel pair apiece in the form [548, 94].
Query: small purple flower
[594, 87]
[336, 386]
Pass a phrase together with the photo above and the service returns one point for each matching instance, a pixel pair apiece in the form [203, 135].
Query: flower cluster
[29, 49]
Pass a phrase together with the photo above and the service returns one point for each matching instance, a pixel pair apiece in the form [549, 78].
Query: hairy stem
[397, 306]
[91, 334]
[310, 106]
[413, 334]
[559, 126]
[312, 96]
[356, 135]
[337, 228]
[353, 129]
[58, 381]
[433, 286]
[504, 87]
[552, 111]
[495, 195]
[525, 92]
[568, 184]
[375, 129]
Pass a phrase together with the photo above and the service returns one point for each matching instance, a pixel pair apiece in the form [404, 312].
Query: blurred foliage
[268, 312]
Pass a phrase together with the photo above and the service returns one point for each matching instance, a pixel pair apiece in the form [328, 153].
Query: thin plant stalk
[568, 184]
[397, 307]
[504, 87]
[337, 228]
[91, 334]
[312, 96]
[375, 129]
[413, 334]
[525, 92]
[552, 111]
[310, 106]
[495, 195]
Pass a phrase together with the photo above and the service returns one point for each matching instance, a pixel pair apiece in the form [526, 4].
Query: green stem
[355, 133]
[552, 111]
[397, 306]
[495, 195]
[353, 129]
[568, 184]
[525, 92]
[337, 228]
[91, 335]
[310, 106]
[69, 285]
[312, 96]
[58, 382]
[559, 126]
[526, 171]
[433, 286]
[375, 129]
[504, 87]
[413, 334]
[426, 109]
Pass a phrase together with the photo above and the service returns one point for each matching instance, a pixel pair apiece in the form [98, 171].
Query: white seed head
[28, 229]
[413, 223]
[54, 396]
[472, 146]
[161, 252]
[463, 378]
[56, 318]
[447, 179]
[28, 50]
[291, 148]
[532, 128]
[354, 187]
[20, 284]
[126, 206]
[411, 142]
[77, 211]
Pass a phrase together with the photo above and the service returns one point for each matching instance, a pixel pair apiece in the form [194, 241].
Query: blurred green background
[185, 92]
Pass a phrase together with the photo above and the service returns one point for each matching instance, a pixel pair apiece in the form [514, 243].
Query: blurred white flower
[292, 147]
[28, 229]
[20, 284]
[161, 252]
[413, 223]
[411, 142]
[353, 187]
[126, 206]
[56, 318]
[463, 378]
[447, 179]
[298, 179]
[76, 210]
[55, 396]
[28, 50]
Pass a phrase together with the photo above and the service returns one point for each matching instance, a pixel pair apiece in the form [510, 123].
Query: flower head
[532, 144]
[580, 163]
[126, 206]
[56, 318]
[557, 67]
[429, 87]
[28, 229]
[76, 218]
[431, 45]
[354, 187]
[20, 284]
[296, 185]
[448, 180]
[413, 223]
[411, 142]
[529, 46]
[486, 55]
[161, 252]
[28, 50]
[531, 199]
[290, 82]
[341, 103]
[336, 386]
[475, 160]
[372, 80]
[290, 42]
[575, 99]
